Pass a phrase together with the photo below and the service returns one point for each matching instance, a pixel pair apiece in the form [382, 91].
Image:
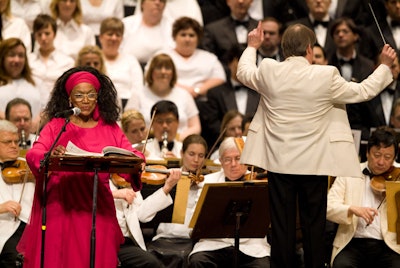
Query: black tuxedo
[362, 66]
[220, 36]
[221, 99]
[329, 46]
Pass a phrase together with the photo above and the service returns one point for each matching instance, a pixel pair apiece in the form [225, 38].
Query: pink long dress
[69, 203]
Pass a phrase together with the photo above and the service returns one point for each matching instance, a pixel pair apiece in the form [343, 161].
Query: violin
[378, 182]
[156, 175]
[16, 172]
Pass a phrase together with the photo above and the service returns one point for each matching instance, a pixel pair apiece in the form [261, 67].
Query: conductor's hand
[388, 55]
[255, 37]
[172, 180]
[59, 150]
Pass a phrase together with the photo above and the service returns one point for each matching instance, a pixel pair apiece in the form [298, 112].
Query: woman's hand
[59, 150]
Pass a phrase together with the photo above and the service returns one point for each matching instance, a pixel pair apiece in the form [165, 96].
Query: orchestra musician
[174, 238]
[131, 208]
[165, 129]
[69, 195]
[363, 238]
[19, 112]
[253, 252]
[15, 197]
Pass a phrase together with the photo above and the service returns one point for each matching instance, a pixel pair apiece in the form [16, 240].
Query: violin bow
[148, 131]
[210, 152]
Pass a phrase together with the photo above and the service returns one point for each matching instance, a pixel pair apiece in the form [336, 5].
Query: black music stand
[234, 210]
[96, 164]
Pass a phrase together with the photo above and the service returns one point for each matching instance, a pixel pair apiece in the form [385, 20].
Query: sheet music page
[72, 149]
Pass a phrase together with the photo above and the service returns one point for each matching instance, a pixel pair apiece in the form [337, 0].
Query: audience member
[15, 199]
[16, 78]
[18, 111]
[363, 238]
[352, 65]
[12, 26]
[123, 69]
[376, 112]
[148, 32]
[47, 62]
[175, 9]
[165, 130]
[218, 252]
[319, 21]
[160, 84]
[131, 210]
[26, 10]
[95, 11]
[232, 95]
[172, 243]
[72, 34]
[221, 35]
[270, 48]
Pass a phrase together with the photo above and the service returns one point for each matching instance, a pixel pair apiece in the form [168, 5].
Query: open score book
[74, 150]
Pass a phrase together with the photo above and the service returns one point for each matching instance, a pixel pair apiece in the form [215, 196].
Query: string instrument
[15, 172]
[156, 175]
[378, 182]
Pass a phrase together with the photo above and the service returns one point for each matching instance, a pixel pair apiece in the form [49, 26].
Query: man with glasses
[254, 252]
[15, 198]
[18, 111]
[165, 128]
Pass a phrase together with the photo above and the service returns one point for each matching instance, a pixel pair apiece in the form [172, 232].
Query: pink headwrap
[83, 77]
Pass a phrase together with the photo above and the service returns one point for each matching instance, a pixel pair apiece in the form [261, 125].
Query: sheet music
[72, 149]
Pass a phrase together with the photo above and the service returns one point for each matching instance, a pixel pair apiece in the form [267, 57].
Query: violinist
[254, 252]
[174, 236]
[132, 209]
[165, 128]
[19, 112]
[362, 238]
[15, 198]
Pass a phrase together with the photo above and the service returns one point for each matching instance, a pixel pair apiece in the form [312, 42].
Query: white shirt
[27, 10]
[126, 74]
[143, 101]
[22, 89]
[16, 27]
[47, 72]
[175, 9]
[71, 37]
[142, 41]
[153, 147]
[197, 68]
[93, 16]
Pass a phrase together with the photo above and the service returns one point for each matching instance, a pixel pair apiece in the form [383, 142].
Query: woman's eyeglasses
[89, 96]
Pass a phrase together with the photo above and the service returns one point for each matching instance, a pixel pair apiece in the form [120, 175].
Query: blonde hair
[89, 49]
[77, 16]
[128, 116]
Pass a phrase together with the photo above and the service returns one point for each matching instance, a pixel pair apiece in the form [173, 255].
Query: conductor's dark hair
[383, 137]
[163, 107]
[106, 97]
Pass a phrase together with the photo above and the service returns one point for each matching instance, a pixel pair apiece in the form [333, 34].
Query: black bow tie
[320, 22]
[395, 24]
[28, 143]
[244, 23]
[368, 173]
[238, 87]
[170, 145]
[240, 179]
[343, 61]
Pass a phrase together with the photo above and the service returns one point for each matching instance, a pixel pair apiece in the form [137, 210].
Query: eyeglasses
[89, 96]
[10, 142]
[229, 160]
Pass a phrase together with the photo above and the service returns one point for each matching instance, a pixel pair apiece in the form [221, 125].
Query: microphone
[67, 113]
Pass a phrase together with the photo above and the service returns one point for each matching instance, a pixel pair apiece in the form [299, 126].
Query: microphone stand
[44, 163]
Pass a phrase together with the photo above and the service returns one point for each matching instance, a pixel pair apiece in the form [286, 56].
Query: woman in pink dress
[69, 194]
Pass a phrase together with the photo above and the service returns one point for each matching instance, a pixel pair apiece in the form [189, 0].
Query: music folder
[221, 204]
